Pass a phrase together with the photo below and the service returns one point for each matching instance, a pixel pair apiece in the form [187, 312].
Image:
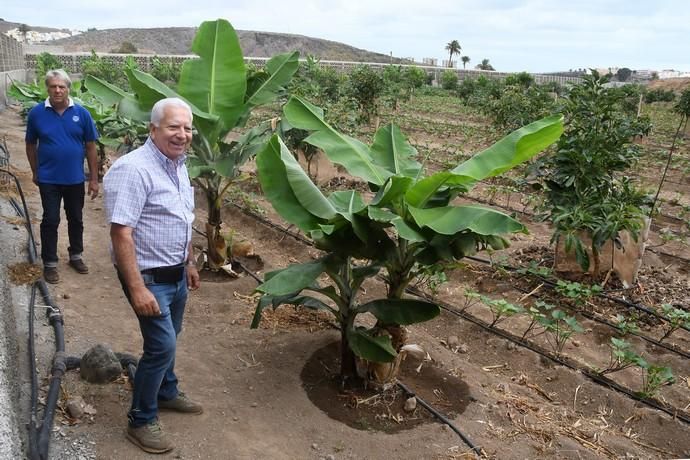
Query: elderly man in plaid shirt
[150, 207]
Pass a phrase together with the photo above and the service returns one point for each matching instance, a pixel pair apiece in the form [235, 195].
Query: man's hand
[193, 278]
[143, 302]
[93, 188]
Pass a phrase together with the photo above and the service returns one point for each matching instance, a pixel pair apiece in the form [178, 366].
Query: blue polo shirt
[61, 142]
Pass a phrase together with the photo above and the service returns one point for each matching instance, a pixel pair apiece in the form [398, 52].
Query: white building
[33, 36]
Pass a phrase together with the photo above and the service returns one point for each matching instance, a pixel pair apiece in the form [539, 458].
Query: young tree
[465, 60]
[410, 223]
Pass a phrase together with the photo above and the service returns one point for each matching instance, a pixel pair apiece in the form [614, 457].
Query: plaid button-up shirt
[152, 194]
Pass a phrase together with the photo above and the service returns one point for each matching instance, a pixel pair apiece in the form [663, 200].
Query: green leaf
[515, 148]
[217, 82]
[347, 202]
[401, 311]
[280, 69]
[276, 186]
[376, 349]
[420, 193]
[341, 149]
[292, 279]
[392, 190]
[392, 151]
[450, 220]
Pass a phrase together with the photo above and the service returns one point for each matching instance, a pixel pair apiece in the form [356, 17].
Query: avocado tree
[408, 224]
[587, 190]
[222, 93]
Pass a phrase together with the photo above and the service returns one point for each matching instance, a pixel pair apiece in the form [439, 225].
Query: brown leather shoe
[79, 266]
[51, 275]
[150, 438]
[181, 404]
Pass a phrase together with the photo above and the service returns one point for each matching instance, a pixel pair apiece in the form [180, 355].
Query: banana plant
[409, 222]
[222, 93]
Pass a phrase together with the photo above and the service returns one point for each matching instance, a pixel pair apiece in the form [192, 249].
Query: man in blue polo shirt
[59, 133]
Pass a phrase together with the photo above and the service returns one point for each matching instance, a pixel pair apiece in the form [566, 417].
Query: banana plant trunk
[348, 362]
[217, 246]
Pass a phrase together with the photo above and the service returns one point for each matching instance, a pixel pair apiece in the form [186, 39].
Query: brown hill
[675, 84]
[178, 40]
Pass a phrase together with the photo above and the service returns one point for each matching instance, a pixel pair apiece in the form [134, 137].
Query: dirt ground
[257, 386]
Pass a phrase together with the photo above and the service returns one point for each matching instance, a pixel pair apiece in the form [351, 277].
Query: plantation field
[516, 386]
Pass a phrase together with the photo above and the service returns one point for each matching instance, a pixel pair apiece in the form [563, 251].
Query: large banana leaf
[367, 346]
[217, 82]
[515, 148]
[392, 151]
[292, 279]
[280, 69]
[401, 311]
[450, 220]
[344, 150]
[110, 95]
[273, 177]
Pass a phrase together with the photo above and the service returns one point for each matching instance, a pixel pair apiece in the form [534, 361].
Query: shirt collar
[161, 157]
[70, 104]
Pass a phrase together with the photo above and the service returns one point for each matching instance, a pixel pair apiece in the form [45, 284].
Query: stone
[453, 342]
[463, 348]
[75, 407]
[100, 365]
[410, 404]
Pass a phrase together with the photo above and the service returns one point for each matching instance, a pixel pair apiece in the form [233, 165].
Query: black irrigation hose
[38, 447]
[626, 303]
[442, 418]
[571, 364]
[597, 378]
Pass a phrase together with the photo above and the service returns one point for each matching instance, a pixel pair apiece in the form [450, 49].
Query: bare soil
[271, 393]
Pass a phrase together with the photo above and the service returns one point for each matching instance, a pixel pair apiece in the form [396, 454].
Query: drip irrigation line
[571, 364]
[601, 320]
[39, 441]
[597, 378]
[624, 302]
[442, 418]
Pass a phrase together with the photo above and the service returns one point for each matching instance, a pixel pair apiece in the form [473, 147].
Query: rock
[330, 457]
[254, 404]
[75, 407]
[410, 404]
[511, 345]
[463, 348]
[100, 365]
[65, 296]
[453, 342]
[315, 446]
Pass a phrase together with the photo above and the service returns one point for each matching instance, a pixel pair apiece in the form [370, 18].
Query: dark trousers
[73, 198]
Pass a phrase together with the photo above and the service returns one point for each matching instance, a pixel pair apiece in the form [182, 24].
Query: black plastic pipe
[38, 448]
[442, 418]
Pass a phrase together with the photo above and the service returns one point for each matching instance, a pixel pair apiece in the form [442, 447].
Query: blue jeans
[155, 377]
[73, 198]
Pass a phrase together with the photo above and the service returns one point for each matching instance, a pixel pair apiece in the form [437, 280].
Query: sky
[514, 35]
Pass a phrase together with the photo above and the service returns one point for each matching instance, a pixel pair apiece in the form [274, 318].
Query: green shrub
[449, 79]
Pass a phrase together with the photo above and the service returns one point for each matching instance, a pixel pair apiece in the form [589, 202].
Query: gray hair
[158, 109]
[60, 75]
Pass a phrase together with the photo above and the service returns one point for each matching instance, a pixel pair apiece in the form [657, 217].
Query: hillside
[178, 40]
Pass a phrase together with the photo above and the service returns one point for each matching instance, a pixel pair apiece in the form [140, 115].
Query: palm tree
[24, 29]
[465, 60]
[485, 65]
[452, 47]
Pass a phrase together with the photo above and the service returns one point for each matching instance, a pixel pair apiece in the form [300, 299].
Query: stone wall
[11, 54]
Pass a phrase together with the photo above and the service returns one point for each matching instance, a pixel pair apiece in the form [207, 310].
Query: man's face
[174, 134]
[58, 92]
